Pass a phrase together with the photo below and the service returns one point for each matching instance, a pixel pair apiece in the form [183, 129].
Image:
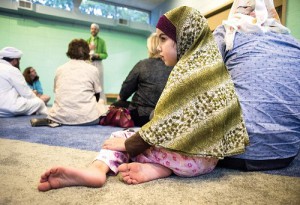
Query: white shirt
[75, 85]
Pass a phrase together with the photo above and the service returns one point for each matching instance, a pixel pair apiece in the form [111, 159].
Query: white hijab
[252, 16]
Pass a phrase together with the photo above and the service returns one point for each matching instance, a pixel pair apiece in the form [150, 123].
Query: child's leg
[93, 176]
[157, 163]
[136, 173]
[59, 177]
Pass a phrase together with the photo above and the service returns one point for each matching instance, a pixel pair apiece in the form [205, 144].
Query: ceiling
[141, 4]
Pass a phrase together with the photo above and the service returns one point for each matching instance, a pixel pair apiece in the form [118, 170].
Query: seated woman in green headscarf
[196, 122]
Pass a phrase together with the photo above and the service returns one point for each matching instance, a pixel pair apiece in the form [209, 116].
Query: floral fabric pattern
[181, 165]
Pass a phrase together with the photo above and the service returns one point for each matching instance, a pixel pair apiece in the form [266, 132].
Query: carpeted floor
[79, 137]
[26, 152]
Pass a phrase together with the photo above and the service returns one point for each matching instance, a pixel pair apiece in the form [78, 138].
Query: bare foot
[136, 173]
[59, 177]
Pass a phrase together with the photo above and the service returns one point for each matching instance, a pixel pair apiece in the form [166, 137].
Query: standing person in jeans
[98, 53]
[146, 82]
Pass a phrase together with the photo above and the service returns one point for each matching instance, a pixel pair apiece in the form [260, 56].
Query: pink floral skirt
[181, 165]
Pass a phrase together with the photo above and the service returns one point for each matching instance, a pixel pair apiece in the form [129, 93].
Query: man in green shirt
[97, 54]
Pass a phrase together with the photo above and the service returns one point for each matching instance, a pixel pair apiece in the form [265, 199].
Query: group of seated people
[228, 99]
[16, 97]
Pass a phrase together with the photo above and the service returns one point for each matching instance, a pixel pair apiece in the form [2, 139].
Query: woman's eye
[162, 39]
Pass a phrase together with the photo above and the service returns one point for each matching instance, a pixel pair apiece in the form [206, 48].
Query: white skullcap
[10, 52]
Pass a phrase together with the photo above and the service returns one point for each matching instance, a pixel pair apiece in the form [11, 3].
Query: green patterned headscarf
[198, 113]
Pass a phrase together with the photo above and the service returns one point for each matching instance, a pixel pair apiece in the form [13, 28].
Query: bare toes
[45, 186]
[123, 168]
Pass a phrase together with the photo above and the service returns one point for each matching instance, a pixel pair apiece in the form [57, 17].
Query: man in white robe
[16, 98]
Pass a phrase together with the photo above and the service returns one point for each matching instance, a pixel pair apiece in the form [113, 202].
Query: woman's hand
[116, 144]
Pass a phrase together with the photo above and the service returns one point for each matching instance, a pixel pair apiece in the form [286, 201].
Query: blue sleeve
[38, 87]
[219, 34]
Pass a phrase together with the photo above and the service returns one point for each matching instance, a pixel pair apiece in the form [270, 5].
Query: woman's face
[245, 7]
[246, 10]
[167, 49]
[32, 73]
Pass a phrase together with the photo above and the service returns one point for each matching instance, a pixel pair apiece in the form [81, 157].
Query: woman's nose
[158, 48]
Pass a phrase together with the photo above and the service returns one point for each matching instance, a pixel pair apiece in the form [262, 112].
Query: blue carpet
[83, 137]
[78, 137]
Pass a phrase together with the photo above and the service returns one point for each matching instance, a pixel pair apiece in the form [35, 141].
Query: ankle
[100, 166]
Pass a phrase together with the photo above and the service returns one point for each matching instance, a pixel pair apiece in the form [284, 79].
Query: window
[132, 15]
[60, 4]
[97, 8]
[113, 11]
